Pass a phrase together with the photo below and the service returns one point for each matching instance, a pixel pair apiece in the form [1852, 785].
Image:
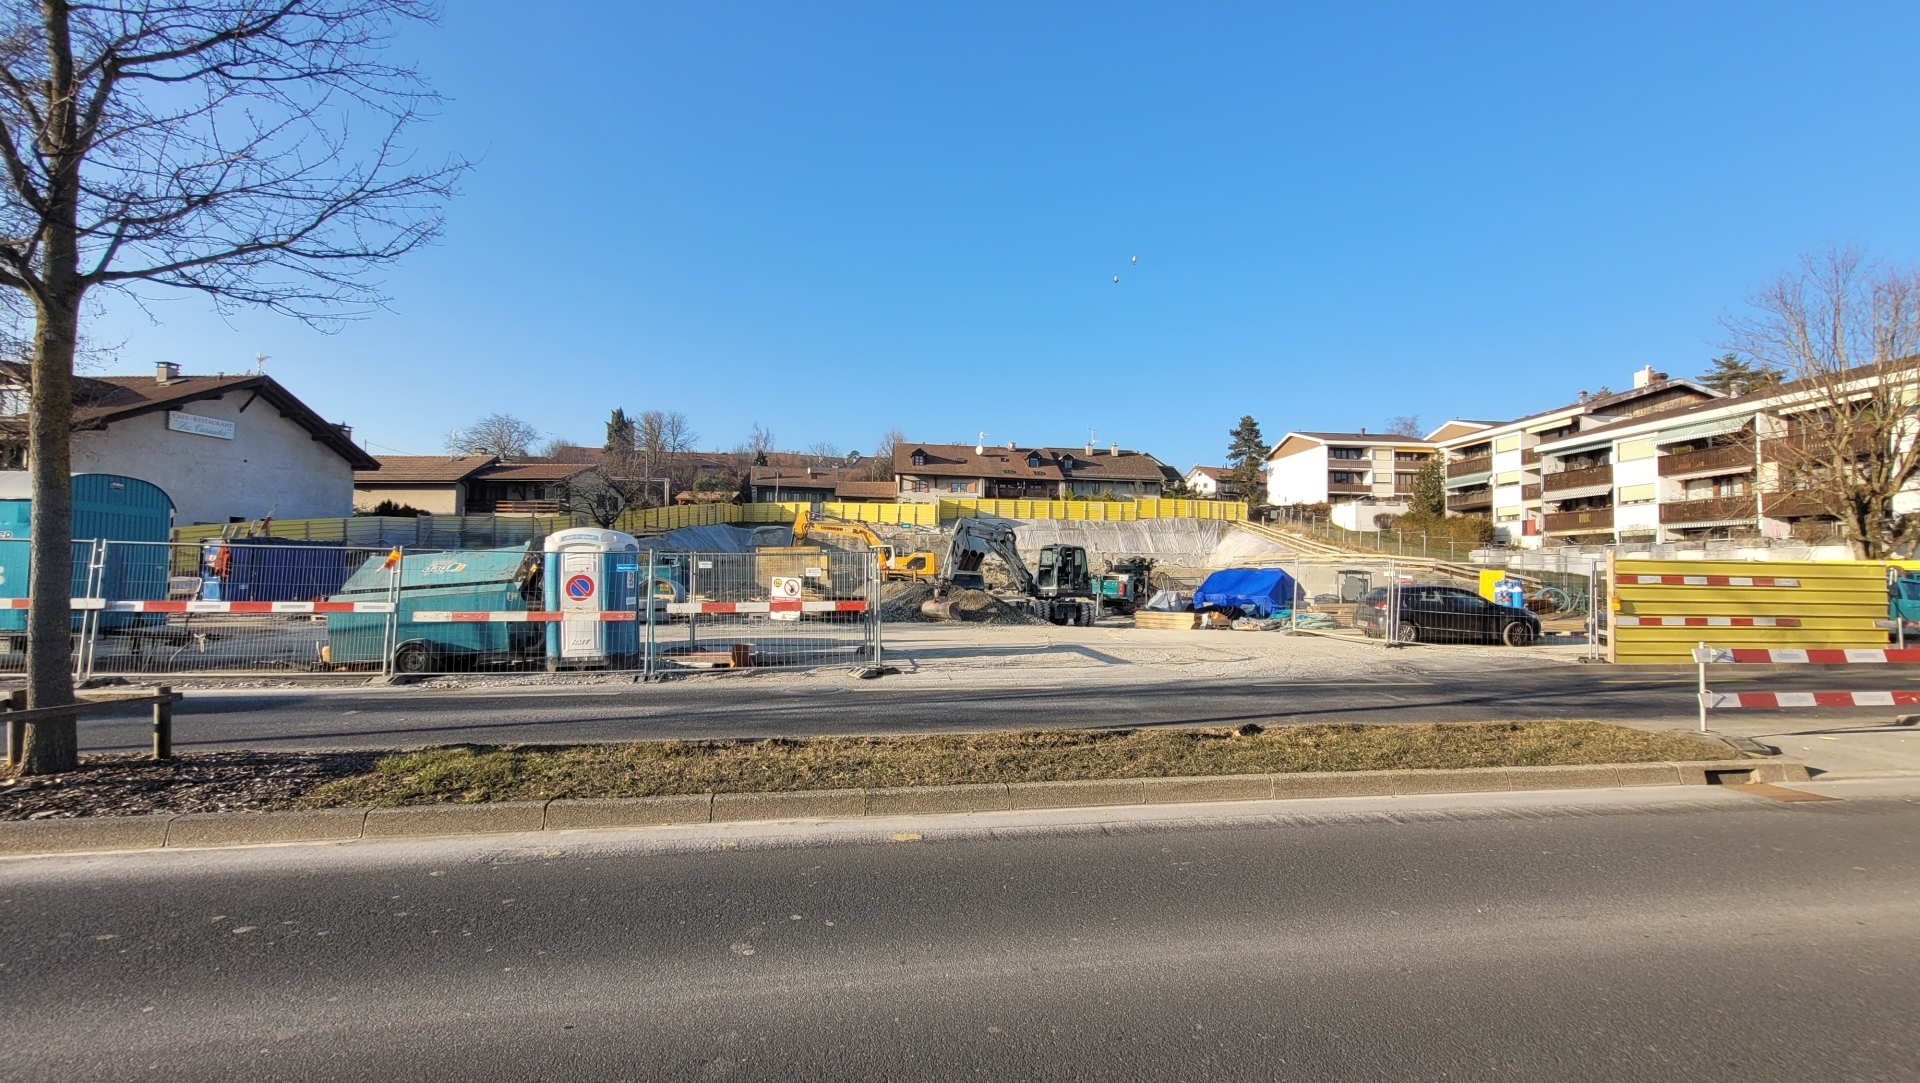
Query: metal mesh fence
[14, 573]
[780, 607]
[260, 606]
[1416, 601]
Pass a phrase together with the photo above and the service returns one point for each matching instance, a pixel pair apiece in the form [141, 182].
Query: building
[774, 484]
[1360, 475]
[1209, 482]
[466, 484]
[224, 448]
[1496, 470]
[927, 472]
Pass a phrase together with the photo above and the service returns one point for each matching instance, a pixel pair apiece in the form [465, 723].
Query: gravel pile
[125, 785]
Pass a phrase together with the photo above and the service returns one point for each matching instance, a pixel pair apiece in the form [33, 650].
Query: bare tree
[593, 494]
[496, 434]
[822, 453]
[658, 436]
[198, 145]
[880, 467]
[759, 443]
[1840, 437]
[1404, 425]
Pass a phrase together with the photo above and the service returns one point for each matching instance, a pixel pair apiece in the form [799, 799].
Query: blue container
[272, 570]
[107, 507]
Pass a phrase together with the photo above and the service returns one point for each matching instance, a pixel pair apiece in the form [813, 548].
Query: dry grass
[472, 773]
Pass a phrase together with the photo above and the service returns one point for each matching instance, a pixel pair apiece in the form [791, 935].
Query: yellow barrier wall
[1837, 603]
[1095, 510]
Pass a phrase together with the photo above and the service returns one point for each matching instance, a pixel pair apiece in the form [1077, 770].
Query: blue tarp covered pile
[1255, 592]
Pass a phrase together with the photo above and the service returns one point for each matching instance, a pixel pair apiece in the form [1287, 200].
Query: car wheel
[1406, 633]
[1518, 634]
[412, 658]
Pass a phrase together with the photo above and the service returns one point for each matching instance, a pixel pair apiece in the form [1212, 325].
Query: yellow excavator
[919, 564]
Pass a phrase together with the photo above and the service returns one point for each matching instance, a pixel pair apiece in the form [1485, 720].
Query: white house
[225, 448]
[1207, 482]
[1362, 476]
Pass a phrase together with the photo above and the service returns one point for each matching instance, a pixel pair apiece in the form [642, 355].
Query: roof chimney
[1363, 430]
[1646, 377]
[1114, 448]
[165, 372]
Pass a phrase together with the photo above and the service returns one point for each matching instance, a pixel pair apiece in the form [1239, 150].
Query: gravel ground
[200, 782]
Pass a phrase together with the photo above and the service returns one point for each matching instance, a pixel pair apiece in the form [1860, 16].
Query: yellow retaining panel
[1100, 511]
[1837, 603]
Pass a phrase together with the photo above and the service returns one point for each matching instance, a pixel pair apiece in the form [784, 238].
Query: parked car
[1446, 614]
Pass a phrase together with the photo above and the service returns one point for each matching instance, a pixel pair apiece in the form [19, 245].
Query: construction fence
[457, 531]
[266, 607]
[1661, 609]
[1416, 601]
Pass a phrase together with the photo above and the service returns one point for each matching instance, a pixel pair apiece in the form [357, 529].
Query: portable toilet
[106, 507]
[592, 572]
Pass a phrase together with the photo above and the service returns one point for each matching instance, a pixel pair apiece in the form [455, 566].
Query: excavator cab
[1063, 572]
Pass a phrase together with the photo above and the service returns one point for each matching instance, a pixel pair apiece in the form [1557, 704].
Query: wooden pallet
[1181, 621]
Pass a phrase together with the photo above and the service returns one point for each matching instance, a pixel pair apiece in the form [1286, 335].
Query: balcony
[1460, 468]
[516, 507]
[1586, 521]
[1529, 457]
[1793, 505]
[1348, 487]
[1714, 460]
[1529, 492]
[1474, 501]
[1577, 479]
[1718, 509]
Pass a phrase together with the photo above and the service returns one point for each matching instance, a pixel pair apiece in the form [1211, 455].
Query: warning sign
[580, 587]
[786, 588]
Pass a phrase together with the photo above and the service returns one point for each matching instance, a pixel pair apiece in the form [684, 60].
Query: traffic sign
[580, 587]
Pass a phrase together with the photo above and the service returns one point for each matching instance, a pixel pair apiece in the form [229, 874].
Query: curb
[97, 834]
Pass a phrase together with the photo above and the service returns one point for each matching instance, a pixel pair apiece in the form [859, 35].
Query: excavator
[1060, 591]
[919, 564]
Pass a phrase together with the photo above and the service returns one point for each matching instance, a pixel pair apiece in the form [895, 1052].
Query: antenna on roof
[260, 363]
[981, 447]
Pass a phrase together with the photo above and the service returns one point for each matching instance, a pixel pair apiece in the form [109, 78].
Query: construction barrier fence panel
[1658, 609]
[787, 607]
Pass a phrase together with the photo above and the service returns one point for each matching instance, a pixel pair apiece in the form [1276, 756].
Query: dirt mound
[901, 602]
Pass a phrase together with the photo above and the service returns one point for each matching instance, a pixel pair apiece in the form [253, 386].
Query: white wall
[1202, 485]
[1301, 478]
[271, 464]
[1356, 516]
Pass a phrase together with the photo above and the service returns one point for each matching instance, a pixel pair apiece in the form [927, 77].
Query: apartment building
[1497, 470]
[1362, 476]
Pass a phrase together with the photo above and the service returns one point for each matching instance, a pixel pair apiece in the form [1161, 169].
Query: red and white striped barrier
[1707, 622]
[1708, 580]
[516, 616]
[255, 608]
[72, 603]
[1710, 700]
[704, 608]
[1819, 656]
[1905, 697]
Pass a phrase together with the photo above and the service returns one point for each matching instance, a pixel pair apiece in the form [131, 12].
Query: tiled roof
[867, 490]
[1055, 464]
[532, 471]
[423, 469]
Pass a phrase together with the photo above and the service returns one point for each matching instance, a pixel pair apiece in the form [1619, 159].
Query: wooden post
[16, 731]
[163, 725]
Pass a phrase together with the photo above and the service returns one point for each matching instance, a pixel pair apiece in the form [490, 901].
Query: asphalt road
[1734, 939]
[722, 707]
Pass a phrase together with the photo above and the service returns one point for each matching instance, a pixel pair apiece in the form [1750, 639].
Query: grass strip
[479, 773]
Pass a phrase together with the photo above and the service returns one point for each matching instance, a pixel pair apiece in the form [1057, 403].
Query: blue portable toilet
[107, 507]
[592, 572]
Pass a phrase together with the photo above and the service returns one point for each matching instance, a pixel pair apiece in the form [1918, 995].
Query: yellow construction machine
[919, 564]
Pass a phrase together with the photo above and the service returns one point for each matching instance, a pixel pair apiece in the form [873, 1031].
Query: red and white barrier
[516, 616]
[1707, 622]
[705, 608]
[1710, 700]
[253, 608]
[72, 603]
[1708, 580]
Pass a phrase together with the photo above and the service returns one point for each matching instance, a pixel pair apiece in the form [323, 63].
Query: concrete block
[1782, 771]
[800, 805]
[1603, 776]
[910, 800]
[83, 834]
[255, 828]
[1648, 774]
[1724, 772]
[693, 808]
[1307, 784]
[1123, 791]
[485, 819]
[1177, 791]
[1452, 780]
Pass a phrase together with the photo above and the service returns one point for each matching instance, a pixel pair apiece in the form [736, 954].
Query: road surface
[1716, 936]
[748, 707]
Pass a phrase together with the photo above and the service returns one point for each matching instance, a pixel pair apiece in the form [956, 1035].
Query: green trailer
[462, 581]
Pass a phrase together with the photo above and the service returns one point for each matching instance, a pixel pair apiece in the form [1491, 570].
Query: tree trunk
[53, 745]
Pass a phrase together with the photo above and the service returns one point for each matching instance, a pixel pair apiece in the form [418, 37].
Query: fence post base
[163, 725]
[16, 731]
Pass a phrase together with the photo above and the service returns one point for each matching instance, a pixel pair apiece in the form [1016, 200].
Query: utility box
[588, 573]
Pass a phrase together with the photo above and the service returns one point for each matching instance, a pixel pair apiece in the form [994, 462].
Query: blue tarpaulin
[1256, 592]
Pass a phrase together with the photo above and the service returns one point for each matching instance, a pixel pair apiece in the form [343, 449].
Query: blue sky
[834, 219]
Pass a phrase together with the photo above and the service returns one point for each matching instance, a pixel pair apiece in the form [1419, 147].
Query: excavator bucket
[939, 610]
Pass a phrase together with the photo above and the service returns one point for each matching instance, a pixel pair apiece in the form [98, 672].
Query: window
[1347, 452]
[1347, 477]
[1410, 456]
[1638, 494]
[1033, 461]
[14, 400]
[956, 486]
[920, 485]
[919, 458]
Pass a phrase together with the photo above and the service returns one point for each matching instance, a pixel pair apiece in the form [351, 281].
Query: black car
[1445, 614]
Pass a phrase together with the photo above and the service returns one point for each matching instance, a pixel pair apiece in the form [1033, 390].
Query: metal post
[16, 731]
[646, 663]
[390, 640]
[163, 725]
[1702, 660]
[874, 594]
